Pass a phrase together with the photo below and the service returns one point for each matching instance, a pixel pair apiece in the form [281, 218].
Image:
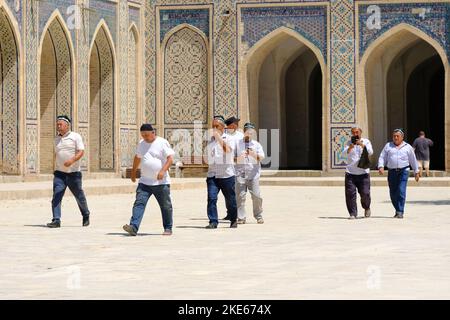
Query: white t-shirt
[65, 148]
[153, 157]
[248, 167]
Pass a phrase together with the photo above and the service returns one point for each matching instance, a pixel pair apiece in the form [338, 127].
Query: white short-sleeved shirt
[153, 157]
[250, 168]
[66, 147]
[220, 163]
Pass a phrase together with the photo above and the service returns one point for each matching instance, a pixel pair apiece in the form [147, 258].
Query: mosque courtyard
[306, 249]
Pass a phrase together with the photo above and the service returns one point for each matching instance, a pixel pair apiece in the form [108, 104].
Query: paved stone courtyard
[307, 249]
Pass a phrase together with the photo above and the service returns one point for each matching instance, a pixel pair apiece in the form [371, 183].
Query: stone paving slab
[307, 249]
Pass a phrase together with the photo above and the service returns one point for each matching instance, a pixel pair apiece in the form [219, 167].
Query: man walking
[221, 174]
[356, 178]
[233, 136]
[422, 150]
[155, 156]
[398, 156]
[248, 170]
[69, 149]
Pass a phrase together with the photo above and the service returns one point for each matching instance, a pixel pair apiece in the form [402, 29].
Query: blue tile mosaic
[46, 9]
[309, 21]
[103, 10]
[17, 14]
[431, 18]
[134, 14]
[170, 18]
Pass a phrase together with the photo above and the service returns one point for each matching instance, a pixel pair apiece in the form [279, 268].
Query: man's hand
[161, 175]
[69, 162]
[417, 176]
[216, 134]
[381, 171]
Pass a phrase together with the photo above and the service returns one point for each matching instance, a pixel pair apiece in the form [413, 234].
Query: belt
[398, 169]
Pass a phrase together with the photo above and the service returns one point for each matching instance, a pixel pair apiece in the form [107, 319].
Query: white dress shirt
[221, 163]
[355, 155]
[248, 167]
[400, 157]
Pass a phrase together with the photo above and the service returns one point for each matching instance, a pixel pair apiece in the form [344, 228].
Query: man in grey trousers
[248, 170]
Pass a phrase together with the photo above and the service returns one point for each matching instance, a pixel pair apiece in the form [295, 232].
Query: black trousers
[354, 183]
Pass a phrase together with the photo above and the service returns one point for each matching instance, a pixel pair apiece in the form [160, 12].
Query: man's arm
[166, 167]
[136, 163]
[369, 147]
[78, 155]
[226, 148]
[382, 160]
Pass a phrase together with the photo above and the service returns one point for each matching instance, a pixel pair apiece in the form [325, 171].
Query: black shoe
[211, 226]
[85, 221]
[226, 218]
[234, 224]
[54, 224]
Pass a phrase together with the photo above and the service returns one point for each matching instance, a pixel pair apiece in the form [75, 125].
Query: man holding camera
[357, 177]
[248, 170]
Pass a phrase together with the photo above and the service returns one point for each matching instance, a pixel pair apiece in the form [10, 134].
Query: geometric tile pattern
[31, 45]
[342, 62]
[131, 116]
[134, 16]
[185, 78]
[63, 90]
[169, 19]
[128, 142]
[83, 68]
[9, 99]
[106, 109]
[31, 148]
[150, 62]
[340, 136]
[225, 60]
[187, 141]
[123, 60]
[432, 18]
[309, 21]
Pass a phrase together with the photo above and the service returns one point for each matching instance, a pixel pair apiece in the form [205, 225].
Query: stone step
[43, 189]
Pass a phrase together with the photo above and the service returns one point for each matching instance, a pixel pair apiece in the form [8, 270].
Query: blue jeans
[227, 186]
[61, 181]
[162, 195]
[397, 188]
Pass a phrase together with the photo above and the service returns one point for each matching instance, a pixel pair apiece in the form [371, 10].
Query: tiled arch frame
[362, 111]
[188, 127]
[109, 158]
[130, 115]
[245, 60]
[64, 51]
[15, 122]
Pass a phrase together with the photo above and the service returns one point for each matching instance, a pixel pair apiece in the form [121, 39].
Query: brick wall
[47, 105]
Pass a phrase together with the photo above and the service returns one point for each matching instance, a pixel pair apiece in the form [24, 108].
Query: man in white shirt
[398, 156]
[234, 135]
[248, 170]
[221, 174]
[155, 156]
[69, 149]
[357, 179]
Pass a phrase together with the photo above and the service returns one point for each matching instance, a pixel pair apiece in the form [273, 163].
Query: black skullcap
[231, 120]
[249, 125]
[220, 118]
[146, 127]
[63, 118]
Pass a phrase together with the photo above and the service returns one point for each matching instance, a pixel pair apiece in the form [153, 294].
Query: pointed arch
[185, 66]
[376, 80]
[102, 106]
[56, 65]
[10, 94]
[286, 47]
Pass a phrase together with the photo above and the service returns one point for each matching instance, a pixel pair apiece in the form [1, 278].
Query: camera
[354, 139]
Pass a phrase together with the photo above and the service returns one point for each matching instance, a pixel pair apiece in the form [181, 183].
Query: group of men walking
[234, 166]
[397, 156]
